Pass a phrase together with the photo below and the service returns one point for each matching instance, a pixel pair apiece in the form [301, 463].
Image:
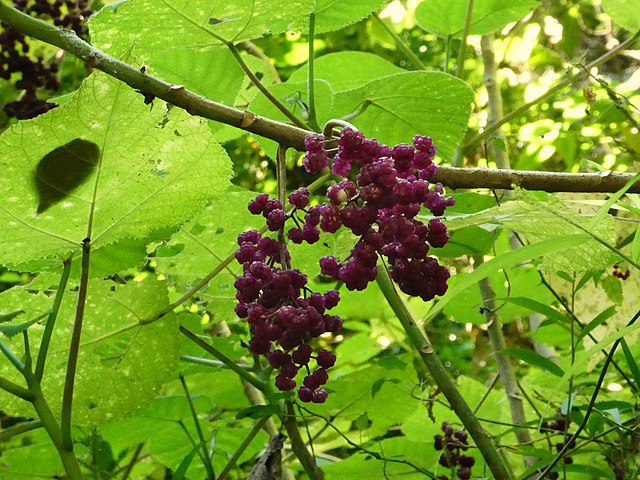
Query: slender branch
[500, 179]
[51, 320]
[265, 91]
[12, 357]
[400, 43]
[206, 456]
[15, 389]
[243, 446]
[254, 50]
[50, 424]
[74, 347]
[463, 45]
[19, 429]
[505, 369]
[297, 443]
[443, 381]
[571, 441]
[223, 358]
[132, 463]
[311, 85]
[211, 363]
[292, 136]
[569, 80]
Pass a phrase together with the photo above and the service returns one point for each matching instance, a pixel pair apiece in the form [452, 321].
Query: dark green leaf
[633, 366]
[181, 471]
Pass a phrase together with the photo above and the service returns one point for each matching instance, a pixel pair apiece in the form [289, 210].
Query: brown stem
[297, 443]
[74, 347]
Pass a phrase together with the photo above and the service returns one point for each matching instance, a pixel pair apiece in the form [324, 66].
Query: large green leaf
[395, 107]
[624, 12]
[334, 15]
[447, 17]
[155, 169]
[119, 368]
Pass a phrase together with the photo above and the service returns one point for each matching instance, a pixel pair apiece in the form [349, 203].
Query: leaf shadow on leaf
[63, 170]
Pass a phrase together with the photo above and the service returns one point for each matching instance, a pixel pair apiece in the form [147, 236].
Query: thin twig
[132, 463]
[51, 320]
[72, 363]
[18, 429]
[223, 358]
[465, 33]
[311, 85]
[400, 43]
[243, 446]
[206, 456]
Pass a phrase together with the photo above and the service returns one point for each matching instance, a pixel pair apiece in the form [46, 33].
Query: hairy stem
[297, 443]
[74, 347]
[400, 43]
[463, 45]
[441, 378]
[51, 320]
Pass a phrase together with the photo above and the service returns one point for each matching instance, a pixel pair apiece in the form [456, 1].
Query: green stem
[19, 429]
[223, 358]
[243, 446]
[132, 463]
[12, 357]
[463, 45]
[15, 389]
[446, 54]
[297, 443]
[211, 363]
[265, 91]
[69, 460]
[311, 86]
[441, 378]
[74, 347]
[206, 456]
[51, 320]
[400, 43]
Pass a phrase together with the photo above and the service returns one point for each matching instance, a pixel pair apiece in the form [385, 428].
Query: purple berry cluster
[560, 426]
[452, 443]
[617, 272]
[35, 74]
[380, 206]
[280, 308]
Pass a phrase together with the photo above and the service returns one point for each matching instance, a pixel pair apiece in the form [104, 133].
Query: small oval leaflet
[63, 170]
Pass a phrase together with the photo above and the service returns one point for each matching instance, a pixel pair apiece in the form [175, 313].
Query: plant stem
[223, 358]
[15, 389]
[311, 85]
[51, 320]
[297, 443]
[446, 54]
[252, 49]
[19, 429]
[206, 456]
[265, 91]
[463, 45]
[400, 43]
[132, 463]
[15, 361]
[505, 369]
[69, 460]
[211, 363]
[242, 447]
[72, 363]
[441, 378]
